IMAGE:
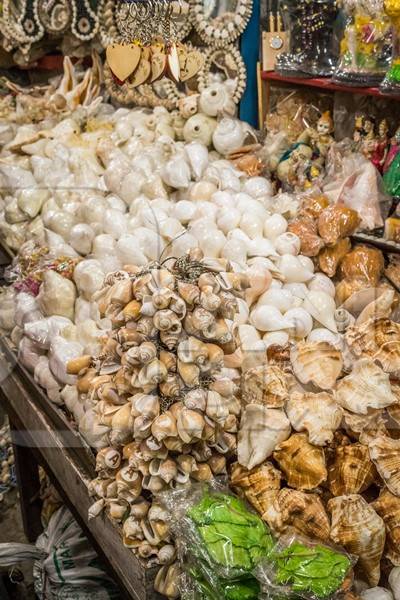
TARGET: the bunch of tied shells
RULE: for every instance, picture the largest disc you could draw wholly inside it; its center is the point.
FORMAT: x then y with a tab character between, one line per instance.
164	408
319	443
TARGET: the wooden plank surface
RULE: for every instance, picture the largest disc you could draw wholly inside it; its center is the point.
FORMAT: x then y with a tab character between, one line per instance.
35	429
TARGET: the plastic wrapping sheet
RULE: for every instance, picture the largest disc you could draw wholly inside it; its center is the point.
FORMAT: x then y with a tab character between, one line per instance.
299	568
391	83
366	44
313	37
220	542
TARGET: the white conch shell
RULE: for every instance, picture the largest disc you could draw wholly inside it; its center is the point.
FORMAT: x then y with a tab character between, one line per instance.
278	338
293	270
279	298
261	430
57	295
322	283
197	155
318	414
269	318
216	99
367	386
228	136
275	226
287	243
301	320
394	582
324	335
199	128
321	307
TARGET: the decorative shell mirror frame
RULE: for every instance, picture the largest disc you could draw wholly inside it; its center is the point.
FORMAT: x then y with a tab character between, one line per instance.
220	22
25	22
224	65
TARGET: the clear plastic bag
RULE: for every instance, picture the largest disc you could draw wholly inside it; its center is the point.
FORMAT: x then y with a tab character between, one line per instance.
366	45
220	541
313	43
391	83
300	568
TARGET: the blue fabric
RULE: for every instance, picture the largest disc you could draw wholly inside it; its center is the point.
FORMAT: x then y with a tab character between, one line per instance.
250	48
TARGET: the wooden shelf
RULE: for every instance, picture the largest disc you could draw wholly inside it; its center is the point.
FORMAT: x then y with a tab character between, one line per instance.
325	84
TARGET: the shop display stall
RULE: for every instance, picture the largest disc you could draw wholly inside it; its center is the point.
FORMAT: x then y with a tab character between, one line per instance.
200	321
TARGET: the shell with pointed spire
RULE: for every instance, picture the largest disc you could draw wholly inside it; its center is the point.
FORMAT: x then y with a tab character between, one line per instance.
385	453
388	507
318	414
304	512
302	464
351	470
357	527
319	363
259	485
265	385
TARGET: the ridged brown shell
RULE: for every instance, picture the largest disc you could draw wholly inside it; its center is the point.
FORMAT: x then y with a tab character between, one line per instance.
304	512
357	527
318	414
337	222
385	453
306	230
259	485
364	263
388	507
302	464
378	339
265	385
330	258
351	470
319	363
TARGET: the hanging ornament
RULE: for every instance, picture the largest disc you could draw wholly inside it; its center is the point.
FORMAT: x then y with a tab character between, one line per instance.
148	47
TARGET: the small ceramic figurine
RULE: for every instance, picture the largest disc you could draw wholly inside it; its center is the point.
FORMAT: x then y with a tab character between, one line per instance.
320	139
368	141
294	164
381	146
391	168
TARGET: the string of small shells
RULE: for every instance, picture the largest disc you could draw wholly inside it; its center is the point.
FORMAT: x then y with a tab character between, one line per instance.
166	406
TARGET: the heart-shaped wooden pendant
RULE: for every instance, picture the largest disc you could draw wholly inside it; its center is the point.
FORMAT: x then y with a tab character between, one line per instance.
158	65
123	59
193	64
142	73
182	54
173	63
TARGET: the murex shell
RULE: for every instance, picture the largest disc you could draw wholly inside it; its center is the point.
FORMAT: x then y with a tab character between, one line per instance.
357	527
319	363
304	512
385	453
259	486
351	470
378	339
318	414
302	464
388	507
265	385
366	387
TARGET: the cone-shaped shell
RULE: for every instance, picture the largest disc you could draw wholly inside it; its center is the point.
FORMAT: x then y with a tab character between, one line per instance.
385	453
259	485
318	414
265	385
302	464
357	527
388	507
366	387
319	363
378	339
351	470
304	512
261	429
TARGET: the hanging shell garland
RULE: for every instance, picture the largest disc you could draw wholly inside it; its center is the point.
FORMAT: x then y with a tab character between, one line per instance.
159	389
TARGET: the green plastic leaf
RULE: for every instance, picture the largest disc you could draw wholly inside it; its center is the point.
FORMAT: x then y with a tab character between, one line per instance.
318	570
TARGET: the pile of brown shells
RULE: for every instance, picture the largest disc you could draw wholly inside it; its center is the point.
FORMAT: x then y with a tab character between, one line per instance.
167	408
323	428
